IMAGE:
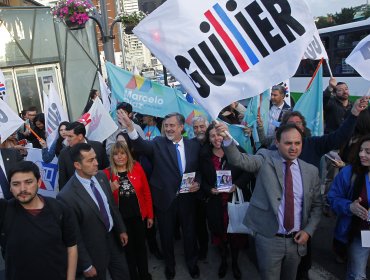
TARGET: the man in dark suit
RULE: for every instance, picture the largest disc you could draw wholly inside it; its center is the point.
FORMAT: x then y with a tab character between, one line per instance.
8	158
172	156
200	125
102	232
76	134
286	204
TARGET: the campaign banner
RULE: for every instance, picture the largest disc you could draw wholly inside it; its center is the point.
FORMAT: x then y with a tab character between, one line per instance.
9	121
98	122
54	114
359	58
48	171
315	49
145	96
224	51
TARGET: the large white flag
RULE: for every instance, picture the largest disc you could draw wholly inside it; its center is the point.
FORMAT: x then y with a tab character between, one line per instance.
54	114
104	92
9	121
223	51
98	123
315	49
359	58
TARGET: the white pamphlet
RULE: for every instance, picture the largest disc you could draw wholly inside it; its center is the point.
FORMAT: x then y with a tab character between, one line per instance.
224	180
187	181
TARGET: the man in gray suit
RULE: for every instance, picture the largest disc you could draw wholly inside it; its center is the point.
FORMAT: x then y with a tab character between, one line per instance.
285	207
102	231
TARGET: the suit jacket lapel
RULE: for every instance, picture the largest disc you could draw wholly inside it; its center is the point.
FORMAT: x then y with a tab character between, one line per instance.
306	189
278	164
84	195
187	153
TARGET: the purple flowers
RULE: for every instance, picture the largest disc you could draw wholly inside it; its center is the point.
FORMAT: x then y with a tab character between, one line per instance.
76	11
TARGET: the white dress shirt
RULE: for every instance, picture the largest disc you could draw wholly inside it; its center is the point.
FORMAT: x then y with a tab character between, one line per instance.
86	184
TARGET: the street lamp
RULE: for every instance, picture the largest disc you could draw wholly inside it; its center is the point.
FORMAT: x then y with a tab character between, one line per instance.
106	32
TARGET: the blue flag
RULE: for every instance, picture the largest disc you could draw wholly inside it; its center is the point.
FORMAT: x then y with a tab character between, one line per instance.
145	96
150	98
311	105
238	134
257	103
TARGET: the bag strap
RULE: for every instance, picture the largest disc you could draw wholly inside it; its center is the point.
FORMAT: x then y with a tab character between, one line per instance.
237	193
233	200
240	195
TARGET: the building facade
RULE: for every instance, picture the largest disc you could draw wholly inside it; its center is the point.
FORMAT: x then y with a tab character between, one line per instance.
35	51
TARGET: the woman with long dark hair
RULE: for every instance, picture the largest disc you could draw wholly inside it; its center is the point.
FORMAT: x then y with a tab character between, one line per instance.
49	153
212	159
39	129
349	197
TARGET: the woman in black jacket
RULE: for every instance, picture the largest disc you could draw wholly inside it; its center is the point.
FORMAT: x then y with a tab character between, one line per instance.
212	158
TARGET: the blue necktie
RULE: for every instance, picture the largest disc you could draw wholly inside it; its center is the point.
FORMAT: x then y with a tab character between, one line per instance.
179	162
102	210
4	184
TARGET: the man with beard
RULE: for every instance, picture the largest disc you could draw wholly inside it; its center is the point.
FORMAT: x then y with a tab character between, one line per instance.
336	104
172	156
200	125
38	235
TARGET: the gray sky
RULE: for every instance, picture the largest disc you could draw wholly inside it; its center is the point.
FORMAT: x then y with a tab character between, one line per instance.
323	7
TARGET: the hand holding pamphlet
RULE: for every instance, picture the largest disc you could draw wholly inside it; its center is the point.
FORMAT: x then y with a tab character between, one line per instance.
187	181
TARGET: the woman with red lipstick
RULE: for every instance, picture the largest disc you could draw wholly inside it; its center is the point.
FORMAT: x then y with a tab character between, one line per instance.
132	194
349	197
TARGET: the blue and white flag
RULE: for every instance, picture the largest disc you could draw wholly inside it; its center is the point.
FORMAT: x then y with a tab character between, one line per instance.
310	104
54	114
48	171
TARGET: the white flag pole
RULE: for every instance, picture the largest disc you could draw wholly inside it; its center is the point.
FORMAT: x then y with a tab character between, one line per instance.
327	64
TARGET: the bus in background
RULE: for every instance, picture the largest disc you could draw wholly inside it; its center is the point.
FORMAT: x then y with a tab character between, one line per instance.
339	41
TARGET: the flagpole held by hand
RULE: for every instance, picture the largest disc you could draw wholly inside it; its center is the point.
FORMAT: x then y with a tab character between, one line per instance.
227	133
33	132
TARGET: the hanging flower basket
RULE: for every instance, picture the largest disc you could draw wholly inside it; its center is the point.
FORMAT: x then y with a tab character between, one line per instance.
74	25
75	13
129	21
129	28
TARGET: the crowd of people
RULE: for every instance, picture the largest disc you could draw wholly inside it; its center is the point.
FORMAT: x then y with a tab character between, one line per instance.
115	197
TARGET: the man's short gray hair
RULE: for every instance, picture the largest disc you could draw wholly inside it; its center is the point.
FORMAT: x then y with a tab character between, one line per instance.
180	118
200	119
